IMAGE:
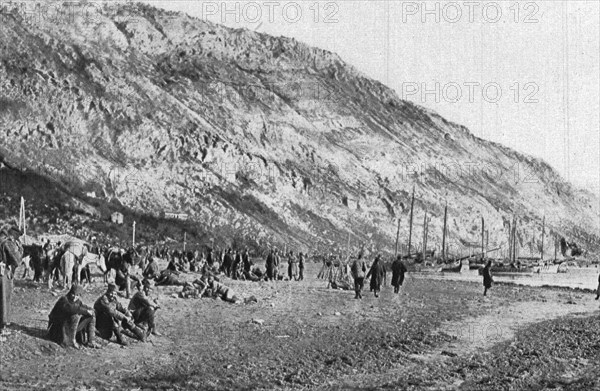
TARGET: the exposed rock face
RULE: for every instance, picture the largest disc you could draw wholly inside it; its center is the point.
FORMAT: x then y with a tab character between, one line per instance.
262	137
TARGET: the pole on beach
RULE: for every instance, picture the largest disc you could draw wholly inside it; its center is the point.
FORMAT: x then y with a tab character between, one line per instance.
397	237
412	204
482	238
22	224
425	228
133	235
543	233
184	239
514	254
444	233
348	247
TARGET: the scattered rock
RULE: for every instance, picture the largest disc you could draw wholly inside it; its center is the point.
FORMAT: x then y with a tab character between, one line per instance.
259	322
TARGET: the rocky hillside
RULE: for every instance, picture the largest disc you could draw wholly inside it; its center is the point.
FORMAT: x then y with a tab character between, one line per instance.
258	139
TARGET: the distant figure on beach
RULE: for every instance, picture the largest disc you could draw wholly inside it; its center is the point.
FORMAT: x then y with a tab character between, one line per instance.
487	277
598	289
398	271
377	274
358	270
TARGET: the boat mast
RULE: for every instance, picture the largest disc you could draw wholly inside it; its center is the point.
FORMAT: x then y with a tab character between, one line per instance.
412	204
543	233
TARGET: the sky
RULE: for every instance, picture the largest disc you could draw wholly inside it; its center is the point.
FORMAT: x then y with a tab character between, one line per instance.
521	73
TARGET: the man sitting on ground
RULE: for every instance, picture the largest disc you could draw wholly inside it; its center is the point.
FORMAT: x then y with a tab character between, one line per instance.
71	317
152	271
143	308
112	317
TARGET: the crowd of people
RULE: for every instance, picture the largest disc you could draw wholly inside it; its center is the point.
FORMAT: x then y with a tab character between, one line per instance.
73	323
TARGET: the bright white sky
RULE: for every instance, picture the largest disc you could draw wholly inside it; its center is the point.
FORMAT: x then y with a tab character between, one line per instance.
522	73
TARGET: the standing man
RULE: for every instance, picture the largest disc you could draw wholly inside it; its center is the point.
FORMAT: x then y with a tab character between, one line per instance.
227	263
487	277
11	253
70	317
270	265
277	263
377	273
237	262
358	270
246	265
398	271
598	289
301	267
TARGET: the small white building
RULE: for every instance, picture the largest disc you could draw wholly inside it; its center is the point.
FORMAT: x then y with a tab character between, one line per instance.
116	218
176	216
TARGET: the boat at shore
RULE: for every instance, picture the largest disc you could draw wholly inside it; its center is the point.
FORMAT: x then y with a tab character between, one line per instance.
459	267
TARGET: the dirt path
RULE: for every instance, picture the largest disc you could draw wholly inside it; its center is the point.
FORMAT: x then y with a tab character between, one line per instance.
480	333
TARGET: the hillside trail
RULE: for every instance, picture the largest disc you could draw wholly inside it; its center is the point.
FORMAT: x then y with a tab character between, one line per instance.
479	334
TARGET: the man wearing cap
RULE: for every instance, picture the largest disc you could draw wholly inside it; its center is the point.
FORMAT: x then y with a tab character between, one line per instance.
112	317
70	317
143	308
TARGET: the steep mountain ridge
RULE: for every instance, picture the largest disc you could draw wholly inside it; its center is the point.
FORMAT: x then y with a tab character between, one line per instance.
265	138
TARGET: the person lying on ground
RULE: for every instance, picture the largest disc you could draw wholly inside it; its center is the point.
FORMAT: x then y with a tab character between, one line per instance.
71	318
169	277
218	290
143	308
112	318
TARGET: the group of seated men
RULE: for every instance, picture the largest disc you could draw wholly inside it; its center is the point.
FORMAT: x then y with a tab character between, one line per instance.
72	323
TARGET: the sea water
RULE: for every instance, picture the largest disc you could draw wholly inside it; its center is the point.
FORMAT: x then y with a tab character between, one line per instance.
584	278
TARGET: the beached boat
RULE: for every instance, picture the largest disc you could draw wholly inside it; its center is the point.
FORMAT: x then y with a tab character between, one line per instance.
459	267
511	269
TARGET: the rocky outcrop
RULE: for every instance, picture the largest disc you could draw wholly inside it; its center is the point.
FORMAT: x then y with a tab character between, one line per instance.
262	139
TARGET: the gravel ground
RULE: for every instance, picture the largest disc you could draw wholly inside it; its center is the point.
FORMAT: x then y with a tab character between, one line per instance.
301	335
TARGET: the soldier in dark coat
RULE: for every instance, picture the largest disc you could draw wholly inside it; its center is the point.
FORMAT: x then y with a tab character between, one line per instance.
301	267
598	290
227	263
398	271
270	265
237	263
69	317
112	317
377	274
246	264
487	277
143	308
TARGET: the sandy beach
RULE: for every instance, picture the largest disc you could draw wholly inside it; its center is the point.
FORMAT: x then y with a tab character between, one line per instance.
300	335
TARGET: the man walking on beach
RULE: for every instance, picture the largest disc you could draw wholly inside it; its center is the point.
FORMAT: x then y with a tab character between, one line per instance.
398	271
358	270
377	273
487	277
